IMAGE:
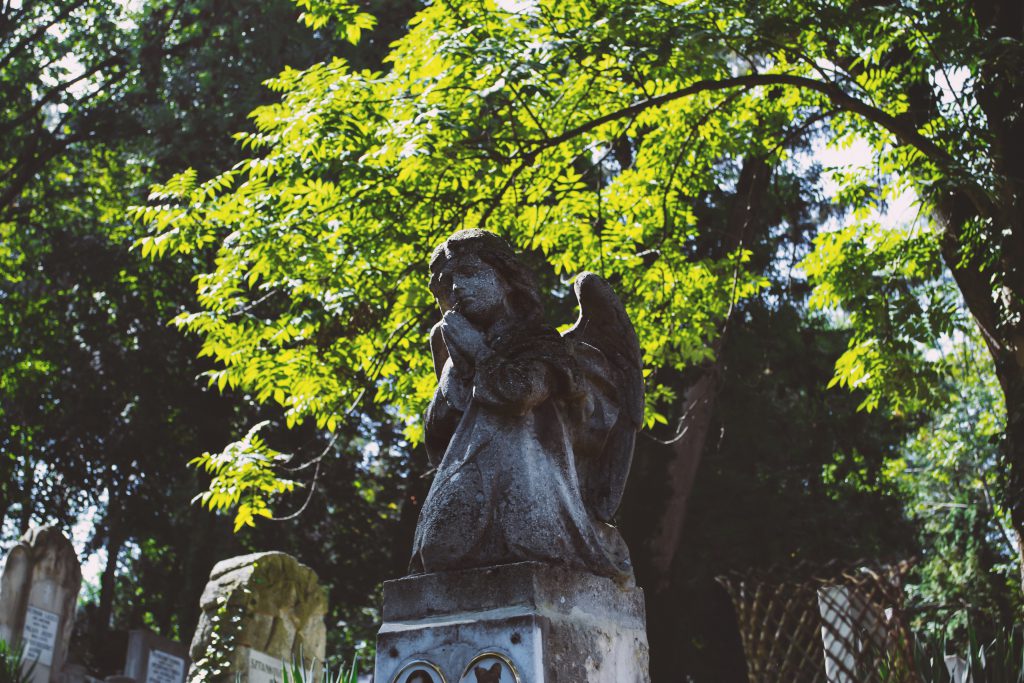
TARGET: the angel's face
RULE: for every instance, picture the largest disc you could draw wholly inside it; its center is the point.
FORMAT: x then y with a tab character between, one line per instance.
474	289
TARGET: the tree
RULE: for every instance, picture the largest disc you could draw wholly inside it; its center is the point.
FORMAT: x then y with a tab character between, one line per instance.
950	472
57	62
62	64
791	479
585	131
791	475
100	410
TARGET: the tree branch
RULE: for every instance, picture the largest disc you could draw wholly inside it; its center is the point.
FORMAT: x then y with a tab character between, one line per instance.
54	92
38	33
905	134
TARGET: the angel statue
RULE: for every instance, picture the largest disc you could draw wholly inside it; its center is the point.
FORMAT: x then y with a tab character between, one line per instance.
531	432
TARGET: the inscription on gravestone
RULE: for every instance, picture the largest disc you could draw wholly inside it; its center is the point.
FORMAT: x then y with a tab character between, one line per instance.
266	669
40	635
164	668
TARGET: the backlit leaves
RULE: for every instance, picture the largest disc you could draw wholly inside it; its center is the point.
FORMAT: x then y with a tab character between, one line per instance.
243	478
559	126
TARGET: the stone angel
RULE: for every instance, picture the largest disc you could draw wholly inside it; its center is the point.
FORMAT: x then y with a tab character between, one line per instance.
532	432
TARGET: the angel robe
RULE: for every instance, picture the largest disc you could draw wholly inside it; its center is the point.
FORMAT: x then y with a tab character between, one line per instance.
508	487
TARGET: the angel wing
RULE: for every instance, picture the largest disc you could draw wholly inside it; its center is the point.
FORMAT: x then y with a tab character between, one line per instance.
609	355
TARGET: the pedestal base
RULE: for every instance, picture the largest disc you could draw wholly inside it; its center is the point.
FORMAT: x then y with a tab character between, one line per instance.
518	623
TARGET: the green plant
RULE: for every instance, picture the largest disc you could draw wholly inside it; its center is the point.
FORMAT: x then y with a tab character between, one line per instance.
991	658
929	659
214	664
296	673
12	668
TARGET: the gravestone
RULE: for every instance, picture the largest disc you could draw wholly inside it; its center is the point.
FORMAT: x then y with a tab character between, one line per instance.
153	659
38	590
259	612
518	573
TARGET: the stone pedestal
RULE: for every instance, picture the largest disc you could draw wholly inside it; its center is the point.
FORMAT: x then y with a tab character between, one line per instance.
517	623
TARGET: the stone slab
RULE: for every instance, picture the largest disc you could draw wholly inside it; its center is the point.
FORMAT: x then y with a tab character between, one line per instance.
524	584
153	659
263	668
40	635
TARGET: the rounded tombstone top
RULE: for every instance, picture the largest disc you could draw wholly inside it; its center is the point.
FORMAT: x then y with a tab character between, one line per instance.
45	536
269	580
50	552
246	562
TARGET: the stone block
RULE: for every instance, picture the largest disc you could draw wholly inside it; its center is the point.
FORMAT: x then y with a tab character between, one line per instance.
520	622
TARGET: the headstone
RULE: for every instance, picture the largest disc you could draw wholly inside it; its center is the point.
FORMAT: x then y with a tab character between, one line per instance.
154	659
38	590
519	573
260	612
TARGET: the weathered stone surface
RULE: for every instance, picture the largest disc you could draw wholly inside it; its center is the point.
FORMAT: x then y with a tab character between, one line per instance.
532	432
38	591
553	624
268	603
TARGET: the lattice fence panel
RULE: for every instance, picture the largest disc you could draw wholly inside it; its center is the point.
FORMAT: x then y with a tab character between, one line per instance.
835	626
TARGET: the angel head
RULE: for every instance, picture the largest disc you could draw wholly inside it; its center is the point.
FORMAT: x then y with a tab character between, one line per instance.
476	273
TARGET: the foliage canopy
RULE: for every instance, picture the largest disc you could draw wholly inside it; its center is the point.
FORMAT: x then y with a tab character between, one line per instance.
99	407
586	133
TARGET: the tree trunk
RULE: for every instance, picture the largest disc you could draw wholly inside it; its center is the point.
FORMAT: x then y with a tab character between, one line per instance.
687	448
990	272
1013	389
993	311
26	496
115	541
699	399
